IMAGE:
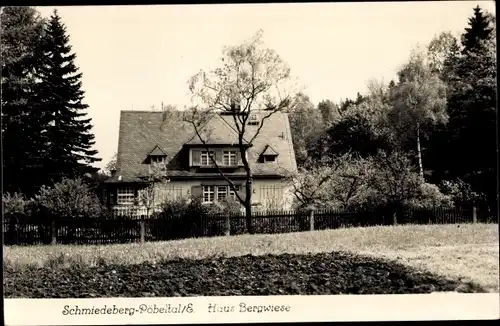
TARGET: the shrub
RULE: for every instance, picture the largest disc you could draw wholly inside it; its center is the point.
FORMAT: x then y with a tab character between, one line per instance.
429	197
184	218
225	206
70	198
460	192
17	210
15	205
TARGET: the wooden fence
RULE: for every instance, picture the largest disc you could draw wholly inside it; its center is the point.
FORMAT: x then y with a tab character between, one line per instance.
137	228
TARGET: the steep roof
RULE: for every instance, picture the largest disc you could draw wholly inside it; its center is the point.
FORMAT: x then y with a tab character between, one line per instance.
144	131
217	131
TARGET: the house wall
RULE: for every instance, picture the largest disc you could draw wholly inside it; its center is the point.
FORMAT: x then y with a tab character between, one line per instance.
272	194
172	190
267	194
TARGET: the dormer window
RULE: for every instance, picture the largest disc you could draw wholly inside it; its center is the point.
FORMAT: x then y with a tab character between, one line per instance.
157	156
157	159
269	155
253	120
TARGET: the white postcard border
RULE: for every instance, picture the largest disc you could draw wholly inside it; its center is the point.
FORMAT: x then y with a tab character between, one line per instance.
194	310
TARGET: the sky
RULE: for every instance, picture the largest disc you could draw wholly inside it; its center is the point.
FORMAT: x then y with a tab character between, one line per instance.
136	57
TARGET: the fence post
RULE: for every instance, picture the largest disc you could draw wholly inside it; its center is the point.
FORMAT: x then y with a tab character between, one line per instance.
228	225
53	232
311	220
142	229
474	214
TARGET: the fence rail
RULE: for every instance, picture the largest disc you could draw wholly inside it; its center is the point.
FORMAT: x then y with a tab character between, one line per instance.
136	228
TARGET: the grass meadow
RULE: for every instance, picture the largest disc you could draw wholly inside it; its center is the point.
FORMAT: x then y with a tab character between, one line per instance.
463	253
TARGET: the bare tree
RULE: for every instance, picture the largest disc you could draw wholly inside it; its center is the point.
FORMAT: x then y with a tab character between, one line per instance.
150	195
334	183
311	186
251	77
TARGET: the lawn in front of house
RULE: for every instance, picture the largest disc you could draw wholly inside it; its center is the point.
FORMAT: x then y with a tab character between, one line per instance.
462	253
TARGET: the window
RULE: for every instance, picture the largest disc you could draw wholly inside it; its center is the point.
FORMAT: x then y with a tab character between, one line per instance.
158	159
271	196
221	192
125	196
231	192
253	120
205	158
229	158
208	194
269	158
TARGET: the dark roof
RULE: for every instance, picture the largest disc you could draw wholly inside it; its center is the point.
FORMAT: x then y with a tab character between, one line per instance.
142	132
217	131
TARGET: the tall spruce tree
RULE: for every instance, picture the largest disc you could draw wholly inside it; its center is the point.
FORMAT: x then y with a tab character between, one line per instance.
22	123
479	30
467	148
69	134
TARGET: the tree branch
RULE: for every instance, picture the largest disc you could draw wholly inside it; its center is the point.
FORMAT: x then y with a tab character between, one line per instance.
230	182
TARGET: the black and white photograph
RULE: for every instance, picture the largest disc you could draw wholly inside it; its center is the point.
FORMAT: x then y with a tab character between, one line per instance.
245	150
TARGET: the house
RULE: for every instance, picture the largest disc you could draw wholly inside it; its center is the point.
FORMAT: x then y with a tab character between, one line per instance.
149	138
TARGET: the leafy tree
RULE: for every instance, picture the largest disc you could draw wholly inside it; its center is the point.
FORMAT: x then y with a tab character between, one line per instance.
69	134
361	127
111	166
329	111
418	99
306	126
22	119
251	78
439	50
348	102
